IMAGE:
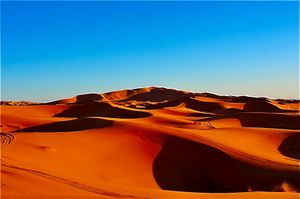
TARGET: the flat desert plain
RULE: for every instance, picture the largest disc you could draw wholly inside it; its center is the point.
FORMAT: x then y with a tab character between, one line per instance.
151	143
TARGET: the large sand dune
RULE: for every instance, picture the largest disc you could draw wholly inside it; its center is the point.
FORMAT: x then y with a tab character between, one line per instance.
151	143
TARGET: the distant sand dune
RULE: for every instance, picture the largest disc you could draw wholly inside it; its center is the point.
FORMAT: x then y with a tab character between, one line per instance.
158	95
100	109
203	106
261	106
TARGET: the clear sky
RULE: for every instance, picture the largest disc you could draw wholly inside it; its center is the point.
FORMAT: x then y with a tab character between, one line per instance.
53	50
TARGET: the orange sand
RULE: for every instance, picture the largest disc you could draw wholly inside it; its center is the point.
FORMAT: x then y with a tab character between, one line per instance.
151	143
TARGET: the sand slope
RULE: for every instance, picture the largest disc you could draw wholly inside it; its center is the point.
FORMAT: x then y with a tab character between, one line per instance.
151	143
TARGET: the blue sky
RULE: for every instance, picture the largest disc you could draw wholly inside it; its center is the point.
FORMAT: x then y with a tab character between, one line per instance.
52	50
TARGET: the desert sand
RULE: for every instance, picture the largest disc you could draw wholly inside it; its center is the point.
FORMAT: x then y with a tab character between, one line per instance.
151	143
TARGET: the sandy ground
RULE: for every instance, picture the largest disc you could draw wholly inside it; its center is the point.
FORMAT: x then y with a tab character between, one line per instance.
151	143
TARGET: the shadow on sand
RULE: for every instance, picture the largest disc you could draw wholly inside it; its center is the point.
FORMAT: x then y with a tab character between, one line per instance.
72	125
290	146
100	109
184	165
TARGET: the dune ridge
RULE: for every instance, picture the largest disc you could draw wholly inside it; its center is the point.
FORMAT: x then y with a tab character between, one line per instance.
151	143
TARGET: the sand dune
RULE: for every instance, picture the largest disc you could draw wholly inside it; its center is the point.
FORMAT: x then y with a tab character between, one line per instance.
151	143
190	166
266	120
124	94
101	109
261	106
79	99
158	95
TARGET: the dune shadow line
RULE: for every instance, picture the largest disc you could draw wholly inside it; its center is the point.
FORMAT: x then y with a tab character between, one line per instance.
100	109
72	125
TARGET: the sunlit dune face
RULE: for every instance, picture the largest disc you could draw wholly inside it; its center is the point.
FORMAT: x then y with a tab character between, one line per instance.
151	143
